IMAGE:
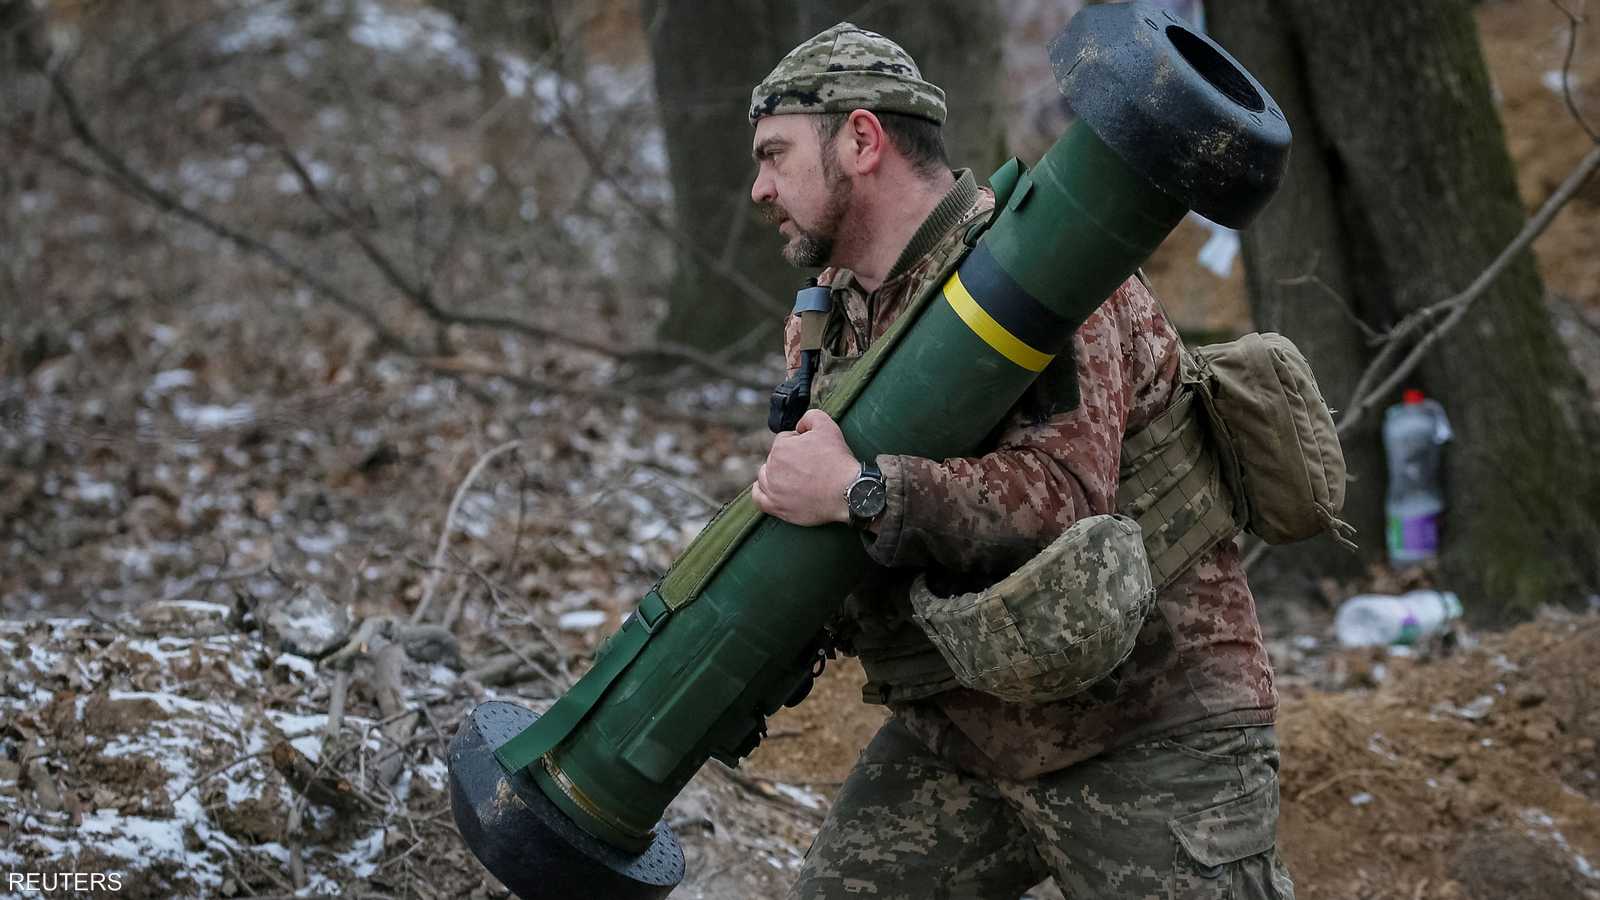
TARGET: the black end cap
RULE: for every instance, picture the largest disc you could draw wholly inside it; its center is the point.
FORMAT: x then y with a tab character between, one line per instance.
526	841
1175	106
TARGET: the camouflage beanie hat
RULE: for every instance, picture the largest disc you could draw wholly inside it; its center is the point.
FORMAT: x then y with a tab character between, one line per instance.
847	68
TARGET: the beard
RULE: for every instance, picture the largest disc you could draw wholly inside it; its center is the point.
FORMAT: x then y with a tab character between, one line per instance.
812	247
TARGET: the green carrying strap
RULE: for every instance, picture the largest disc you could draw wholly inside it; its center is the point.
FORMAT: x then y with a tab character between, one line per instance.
613	659
712	547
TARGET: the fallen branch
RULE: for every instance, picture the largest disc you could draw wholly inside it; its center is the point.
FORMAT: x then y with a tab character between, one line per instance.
388	687
291	832
452	612
431	580
310	781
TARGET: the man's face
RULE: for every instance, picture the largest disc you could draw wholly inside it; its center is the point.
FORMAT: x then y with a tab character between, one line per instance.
799	187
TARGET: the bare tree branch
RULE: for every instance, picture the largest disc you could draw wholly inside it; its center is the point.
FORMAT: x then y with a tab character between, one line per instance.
121	174
138	186
419	291
1574	21
432	580
1312	279
1461	303
592	156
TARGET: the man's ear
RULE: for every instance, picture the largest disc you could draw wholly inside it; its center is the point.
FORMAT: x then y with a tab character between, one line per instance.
866	142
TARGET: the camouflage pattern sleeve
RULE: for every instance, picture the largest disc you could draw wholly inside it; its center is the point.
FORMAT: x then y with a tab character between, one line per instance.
1051	465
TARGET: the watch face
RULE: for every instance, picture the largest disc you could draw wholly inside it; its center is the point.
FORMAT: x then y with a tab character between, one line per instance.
867	498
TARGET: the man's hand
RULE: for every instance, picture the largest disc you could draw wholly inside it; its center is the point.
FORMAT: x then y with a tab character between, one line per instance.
806	473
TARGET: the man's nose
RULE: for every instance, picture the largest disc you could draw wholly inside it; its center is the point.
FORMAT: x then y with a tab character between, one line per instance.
761	190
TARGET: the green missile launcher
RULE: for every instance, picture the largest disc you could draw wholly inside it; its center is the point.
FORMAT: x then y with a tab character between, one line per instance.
569	803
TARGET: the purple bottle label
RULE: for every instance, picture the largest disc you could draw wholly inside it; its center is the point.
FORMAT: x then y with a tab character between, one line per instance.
1413	537
1410	630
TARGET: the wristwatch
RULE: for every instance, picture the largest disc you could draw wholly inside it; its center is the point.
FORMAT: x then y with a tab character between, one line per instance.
867	496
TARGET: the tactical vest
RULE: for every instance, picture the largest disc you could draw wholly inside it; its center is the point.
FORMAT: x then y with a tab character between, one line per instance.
1170	482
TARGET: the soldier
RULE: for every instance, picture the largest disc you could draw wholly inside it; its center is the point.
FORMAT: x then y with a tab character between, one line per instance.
1159	780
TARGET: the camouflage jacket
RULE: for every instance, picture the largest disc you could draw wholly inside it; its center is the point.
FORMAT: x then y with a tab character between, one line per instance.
1199	661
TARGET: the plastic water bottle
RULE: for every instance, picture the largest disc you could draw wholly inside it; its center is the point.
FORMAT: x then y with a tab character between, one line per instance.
1413	432
1368	620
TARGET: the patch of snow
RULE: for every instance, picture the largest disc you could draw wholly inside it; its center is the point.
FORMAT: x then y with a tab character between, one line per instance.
212	179
1378	744
1541	820
581	620
323	544
169	380
166	702
331	118
435	773
201	606
296	726
800	795
91	491
1478	708
362	858
36	201
211	417
297	664
1553	80
427	31
514	73
264	25
321	174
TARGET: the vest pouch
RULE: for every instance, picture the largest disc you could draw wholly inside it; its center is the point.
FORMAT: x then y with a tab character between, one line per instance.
1052	628
1171	481
1278	441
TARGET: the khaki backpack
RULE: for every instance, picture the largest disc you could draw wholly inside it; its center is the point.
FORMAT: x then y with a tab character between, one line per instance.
1275	437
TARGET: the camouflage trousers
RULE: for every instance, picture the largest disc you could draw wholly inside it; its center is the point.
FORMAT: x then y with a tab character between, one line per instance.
1187	817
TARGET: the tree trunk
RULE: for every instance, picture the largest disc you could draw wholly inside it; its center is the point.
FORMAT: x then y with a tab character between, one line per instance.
1417	163
1303	260
708	56
957	46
